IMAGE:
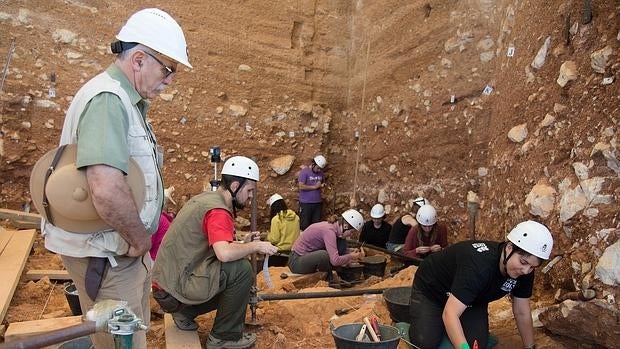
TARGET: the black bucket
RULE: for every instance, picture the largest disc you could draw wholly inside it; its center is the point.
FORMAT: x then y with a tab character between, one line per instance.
77	343
374	265
352	272
344	336
71	294
397	300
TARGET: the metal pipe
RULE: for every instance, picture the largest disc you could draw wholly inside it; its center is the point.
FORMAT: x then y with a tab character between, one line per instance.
308	295
254	290
52	337
8	61
413	260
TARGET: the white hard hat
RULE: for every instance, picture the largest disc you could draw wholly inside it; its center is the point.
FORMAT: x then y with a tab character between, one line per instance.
532	237
354	219
241	166
377	211
420	201
273	198
320	161
427	215
157	30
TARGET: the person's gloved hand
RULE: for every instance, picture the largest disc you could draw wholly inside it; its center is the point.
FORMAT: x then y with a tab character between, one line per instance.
103	311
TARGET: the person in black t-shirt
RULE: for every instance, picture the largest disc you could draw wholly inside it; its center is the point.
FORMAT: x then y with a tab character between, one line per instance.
452	288
376	231
402	225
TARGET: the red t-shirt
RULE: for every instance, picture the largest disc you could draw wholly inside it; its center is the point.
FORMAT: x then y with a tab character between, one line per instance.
218	225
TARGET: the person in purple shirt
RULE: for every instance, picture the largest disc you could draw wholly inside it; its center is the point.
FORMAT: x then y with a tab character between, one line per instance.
310	180
316	248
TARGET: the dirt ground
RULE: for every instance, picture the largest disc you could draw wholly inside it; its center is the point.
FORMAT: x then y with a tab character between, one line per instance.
313	74
301	323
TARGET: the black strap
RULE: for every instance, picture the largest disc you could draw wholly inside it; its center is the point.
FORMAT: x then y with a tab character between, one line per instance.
48	173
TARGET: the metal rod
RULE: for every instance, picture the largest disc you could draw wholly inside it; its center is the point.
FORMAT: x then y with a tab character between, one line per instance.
415	261
8	61
123	341
308	295
254	289
52	337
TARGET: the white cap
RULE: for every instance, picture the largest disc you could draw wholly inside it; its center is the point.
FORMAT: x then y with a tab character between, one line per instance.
354	219
273	198
157	30
241	166
427	215
377	211
532	237
320	161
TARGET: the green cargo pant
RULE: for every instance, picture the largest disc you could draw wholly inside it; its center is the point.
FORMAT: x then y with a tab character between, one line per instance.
230	303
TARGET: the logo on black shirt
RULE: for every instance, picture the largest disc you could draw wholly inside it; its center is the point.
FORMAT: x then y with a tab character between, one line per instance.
480	246
508	285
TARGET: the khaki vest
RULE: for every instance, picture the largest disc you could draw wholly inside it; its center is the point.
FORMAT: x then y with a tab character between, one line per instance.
142	148
186	266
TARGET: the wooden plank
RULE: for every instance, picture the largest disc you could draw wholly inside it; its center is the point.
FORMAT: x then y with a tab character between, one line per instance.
19	330
5	237
14	215
12	262
176	338
38	274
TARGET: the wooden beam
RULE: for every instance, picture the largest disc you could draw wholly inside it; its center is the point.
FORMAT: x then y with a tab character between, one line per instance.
26	225
14	215
176	338
12	262
20	330
38	274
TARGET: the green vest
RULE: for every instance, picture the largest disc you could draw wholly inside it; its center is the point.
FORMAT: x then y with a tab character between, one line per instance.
186	266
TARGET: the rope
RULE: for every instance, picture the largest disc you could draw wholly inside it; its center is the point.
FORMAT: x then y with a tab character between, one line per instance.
49	296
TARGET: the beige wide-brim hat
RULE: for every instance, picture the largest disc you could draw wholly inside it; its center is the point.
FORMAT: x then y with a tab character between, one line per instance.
70	202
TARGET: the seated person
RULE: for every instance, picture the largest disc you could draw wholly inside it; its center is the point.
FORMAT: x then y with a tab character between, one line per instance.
284	224
316	249
402	225
376	231
427	236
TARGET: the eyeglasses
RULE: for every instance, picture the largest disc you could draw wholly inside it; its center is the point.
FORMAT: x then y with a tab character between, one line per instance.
167	71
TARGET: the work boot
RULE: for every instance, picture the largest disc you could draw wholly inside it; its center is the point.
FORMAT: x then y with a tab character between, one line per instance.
246	341
183	322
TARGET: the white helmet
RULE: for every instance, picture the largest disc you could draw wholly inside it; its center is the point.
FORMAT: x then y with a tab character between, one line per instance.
420	201
354	219
157	30
241	166
273	198
377	211
320	161
533	238
427	215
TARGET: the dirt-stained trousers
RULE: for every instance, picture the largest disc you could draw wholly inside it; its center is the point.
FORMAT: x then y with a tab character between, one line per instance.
230	303
129	281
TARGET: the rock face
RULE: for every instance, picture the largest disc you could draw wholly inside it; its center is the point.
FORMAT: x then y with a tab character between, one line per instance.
608	267
595	322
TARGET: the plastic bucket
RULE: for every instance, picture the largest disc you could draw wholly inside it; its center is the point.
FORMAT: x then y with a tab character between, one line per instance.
71	294
374	265
344	337
397	300
352	272
77	343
